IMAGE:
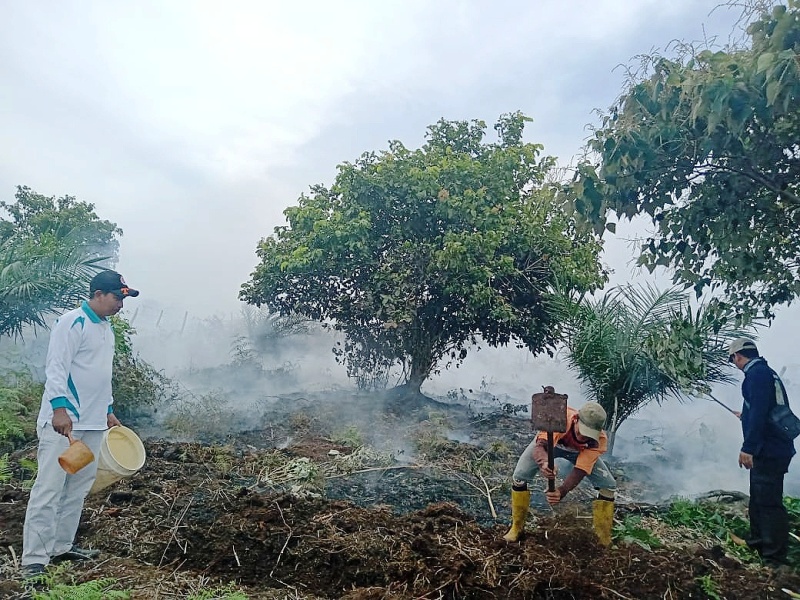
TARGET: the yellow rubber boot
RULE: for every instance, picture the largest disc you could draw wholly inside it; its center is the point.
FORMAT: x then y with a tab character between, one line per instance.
602	519
520	504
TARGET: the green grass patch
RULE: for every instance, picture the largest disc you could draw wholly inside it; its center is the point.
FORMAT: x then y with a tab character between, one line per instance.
631	531
706	517
228	592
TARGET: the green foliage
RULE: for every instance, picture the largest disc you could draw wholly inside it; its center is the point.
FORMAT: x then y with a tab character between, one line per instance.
631	531
5	469
413	254
36	217
703	516
368	362
38	280
793	508
61	586
49	250
718	523
300	475
350	436
705	144
136	384
29	466
228	592
11	417
91	590
20	398
709	586
709	518
636	345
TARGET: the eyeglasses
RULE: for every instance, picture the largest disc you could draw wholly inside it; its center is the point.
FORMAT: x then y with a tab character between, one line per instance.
731	357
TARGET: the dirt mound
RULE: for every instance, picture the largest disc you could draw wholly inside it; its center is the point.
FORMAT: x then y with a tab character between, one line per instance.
192	510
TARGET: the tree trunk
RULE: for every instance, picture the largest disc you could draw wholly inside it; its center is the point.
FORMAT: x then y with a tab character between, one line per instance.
422	362
611	432
612	435
415	380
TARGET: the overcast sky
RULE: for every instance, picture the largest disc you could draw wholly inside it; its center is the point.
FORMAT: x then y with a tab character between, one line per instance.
194	124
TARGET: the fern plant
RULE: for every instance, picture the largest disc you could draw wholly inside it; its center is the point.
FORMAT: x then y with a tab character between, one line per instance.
99	589
5	469
19	399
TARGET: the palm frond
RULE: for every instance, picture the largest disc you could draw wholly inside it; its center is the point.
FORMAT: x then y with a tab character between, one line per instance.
40	280
637	345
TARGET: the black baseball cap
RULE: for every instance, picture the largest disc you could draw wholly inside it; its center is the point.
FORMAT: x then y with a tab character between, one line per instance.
113	283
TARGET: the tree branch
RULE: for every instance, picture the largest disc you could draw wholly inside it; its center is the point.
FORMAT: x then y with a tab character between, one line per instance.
754	175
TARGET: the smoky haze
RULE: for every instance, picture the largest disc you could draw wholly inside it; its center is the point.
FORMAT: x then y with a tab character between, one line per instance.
194	124
681	448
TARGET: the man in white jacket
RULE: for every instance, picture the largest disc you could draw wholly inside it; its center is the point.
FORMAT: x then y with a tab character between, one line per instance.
77	402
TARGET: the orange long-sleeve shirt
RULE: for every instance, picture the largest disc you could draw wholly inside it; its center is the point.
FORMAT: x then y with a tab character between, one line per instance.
587	453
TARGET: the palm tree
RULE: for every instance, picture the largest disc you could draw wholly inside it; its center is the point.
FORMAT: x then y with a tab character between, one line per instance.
41	278
637	345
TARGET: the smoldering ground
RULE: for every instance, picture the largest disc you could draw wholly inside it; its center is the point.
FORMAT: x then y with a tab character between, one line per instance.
271	471
684	447
239	363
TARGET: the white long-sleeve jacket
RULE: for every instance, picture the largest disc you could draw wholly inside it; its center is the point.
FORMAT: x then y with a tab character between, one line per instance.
78	369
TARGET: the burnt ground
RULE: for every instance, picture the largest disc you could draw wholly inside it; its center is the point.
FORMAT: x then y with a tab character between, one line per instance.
307	503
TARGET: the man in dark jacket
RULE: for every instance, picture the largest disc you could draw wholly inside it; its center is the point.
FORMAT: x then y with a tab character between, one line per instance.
764	453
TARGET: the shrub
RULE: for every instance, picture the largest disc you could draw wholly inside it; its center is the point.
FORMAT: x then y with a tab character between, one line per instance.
20	397
136	384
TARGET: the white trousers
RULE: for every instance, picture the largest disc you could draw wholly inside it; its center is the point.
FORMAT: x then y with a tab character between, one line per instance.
56	500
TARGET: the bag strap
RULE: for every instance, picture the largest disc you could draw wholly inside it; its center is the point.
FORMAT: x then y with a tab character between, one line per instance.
780	394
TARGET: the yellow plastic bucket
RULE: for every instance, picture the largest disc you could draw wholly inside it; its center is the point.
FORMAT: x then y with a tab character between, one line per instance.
121	455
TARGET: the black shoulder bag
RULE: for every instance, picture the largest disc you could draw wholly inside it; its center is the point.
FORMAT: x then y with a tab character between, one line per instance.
783	421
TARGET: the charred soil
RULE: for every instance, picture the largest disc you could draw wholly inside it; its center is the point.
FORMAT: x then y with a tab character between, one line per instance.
274	511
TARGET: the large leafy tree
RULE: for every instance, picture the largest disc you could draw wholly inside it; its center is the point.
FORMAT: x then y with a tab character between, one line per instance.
636	345
49	250
414	254
707	145
33	216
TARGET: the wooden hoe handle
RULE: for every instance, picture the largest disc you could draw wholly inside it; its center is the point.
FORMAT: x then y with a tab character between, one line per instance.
551	481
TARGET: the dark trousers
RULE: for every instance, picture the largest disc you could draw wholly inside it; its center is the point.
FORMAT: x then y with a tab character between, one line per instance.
769	520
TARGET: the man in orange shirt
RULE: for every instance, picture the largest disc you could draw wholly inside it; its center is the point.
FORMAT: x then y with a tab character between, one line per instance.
578	451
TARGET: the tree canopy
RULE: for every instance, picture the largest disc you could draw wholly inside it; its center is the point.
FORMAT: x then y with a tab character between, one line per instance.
414	254
66	220
49	251
706	144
